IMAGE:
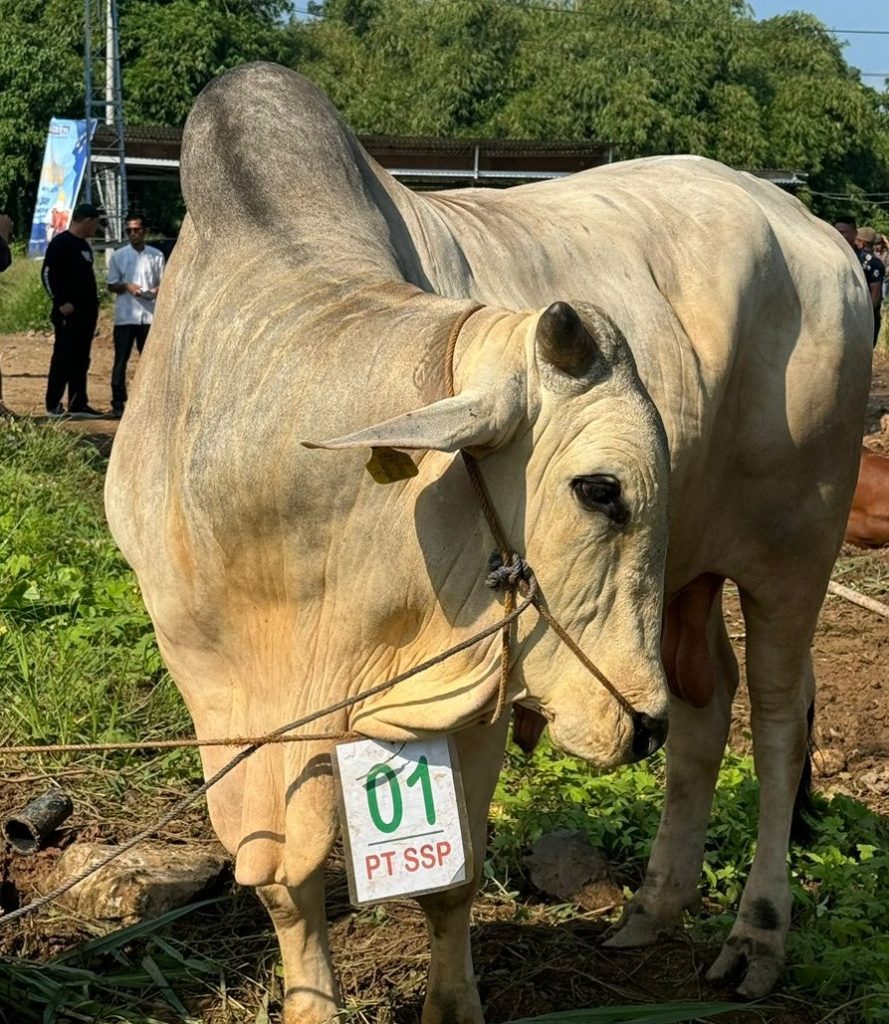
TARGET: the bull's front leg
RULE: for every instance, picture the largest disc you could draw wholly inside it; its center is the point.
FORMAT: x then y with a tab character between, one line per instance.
451	992
695	748
781	684
311	994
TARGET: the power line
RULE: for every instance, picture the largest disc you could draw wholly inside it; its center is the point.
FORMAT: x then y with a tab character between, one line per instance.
571	10
595	14
849	198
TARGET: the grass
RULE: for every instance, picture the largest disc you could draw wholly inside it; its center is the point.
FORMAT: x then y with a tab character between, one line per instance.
838	949
78	662
24	304
867	575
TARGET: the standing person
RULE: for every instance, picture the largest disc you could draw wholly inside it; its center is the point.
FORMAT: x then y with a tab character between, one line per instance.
5	232
881	251
69	278
134	276
862	241
5	260
874	272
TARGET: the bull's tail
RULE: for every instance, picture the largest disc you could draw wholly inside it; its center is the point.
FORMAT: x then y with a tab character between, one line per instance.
806	809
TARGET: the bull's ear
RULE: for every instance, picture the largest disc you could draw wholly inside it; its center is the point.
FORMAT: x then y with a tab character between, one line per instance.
469	420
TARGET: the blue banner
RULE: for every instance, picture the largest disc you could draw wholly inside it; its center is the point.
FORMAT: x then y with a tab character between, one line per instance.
64	164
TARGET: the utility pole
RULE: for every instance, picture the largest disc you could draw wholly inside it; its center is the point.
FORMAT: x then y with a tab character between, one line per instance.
106	173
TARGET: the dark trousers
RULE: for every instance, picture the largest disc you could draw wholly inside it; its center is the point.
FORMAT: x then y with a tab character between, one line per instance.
877	321
70	358
125	335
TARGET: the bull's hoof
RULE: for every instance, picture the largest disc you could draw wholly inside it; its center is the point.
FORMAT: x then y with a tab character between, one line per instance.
744	964
637	927
452	1011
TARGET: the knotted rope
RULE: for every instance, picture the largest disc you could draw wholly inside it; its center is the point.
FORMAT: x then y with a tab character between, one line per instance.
254	744
508	572
509	558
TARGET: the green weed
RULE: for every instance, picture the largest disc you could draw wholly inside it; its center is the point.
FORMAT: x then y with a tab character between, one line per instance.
24	304
838	949
78	660
126	976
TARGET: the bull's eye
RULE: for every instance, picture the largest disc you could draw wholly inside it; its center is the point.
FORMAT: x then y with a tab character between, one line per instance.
601	493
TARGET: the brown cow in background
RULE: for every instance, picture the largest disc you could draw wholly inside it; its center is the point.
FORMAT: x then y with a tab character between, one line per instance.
868	525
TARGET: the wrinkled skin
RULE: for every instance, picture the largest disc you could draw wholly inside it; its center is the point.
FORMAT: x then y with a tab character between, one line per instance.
311	298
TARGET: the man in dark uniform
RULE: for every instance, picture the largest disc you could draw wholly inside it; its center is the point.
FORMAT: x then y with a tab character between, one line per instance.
862	241
5	260
874	271
69	278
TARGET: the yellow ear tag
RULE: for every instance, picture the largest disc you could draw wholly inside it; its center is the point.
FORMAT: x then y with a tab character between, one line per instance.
387	465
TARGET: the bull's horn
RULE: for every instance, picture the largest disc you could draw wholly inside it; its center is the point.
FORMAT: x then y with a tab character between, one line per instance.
564	342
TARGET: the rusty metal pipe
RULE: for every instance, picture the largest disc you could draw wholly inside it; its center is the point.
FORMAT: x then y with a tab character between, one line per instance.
26	832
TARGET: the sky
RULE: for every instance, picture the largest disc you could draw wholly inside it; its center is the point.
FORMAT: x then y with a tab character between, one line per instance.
865	52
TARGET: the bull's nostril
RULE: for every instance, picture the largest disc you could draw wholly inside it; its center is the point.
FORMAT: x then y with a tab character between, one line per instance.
648	734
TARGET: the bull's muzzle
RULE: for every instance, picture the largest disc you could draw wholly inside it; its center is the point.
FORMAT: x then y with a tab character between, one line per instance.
649	735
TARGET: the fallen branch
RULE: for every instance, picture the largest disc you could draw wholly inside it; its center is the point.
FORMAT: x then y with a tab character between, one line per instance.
859	599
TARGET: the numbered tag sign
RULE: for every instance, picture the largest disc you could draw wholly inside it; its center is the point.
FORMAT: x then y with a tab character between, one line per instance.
403	818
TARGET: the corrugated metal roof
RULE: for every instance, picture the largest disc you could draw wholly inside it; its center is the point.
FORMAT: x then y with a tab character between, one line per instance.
781	176
428	161
141	134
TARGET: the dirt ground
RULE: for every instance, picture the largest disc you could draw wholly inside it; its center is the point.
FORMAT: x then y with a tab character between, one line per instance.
534	962
24	361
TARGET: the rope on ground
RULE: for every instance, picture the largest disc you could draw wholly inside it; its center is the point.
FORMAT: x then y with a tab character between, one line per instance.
511	572
184	742
860	599
254	745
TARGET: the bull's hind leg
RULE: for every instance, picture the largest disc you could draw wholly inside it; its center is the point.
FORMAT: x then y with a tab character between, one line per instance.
311	995
695	746
780	622
451	992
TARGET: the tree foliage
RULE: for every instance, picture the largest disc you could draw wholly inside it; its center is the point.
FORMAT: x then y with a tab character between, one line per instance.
170	49
41	76
652	76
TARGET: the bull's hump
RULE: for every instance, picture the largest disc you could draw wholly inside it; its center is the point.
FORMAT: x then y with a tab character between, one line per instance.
265	152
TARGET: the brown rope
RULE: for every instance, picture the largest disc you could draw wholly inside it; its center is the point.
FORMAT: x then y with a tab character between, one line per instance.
497	532
237	741
278	736
527	584
254	745
488	510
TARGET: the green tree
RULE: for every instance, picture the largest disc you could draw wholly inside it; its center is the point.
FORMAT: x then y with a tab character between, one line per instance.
41	76
406	68
653	76
170	49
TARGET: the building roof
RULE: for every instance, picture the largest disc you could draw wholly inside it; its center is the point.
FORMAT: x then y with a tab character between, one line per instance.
151	148
152	151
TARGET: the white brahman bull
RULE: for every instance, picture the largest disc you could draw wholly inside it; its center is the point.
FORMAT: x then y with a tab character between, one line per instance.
312	297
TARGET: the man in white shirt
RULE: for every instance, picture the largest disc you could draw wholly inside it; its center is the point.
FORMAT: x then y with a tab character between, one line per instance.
134	276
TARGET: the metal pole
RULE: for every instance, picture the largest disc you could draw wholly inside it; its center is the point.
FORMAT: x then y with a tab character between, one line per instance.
88	94
109	62
118	96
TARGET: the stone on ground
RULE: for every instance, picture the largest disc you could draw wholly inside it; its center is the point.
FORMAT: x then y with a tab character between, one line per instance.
141	884
565	864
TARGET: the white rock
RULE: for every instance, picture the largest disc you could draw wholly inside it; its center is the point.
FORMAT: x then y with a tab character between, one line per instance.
141	884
